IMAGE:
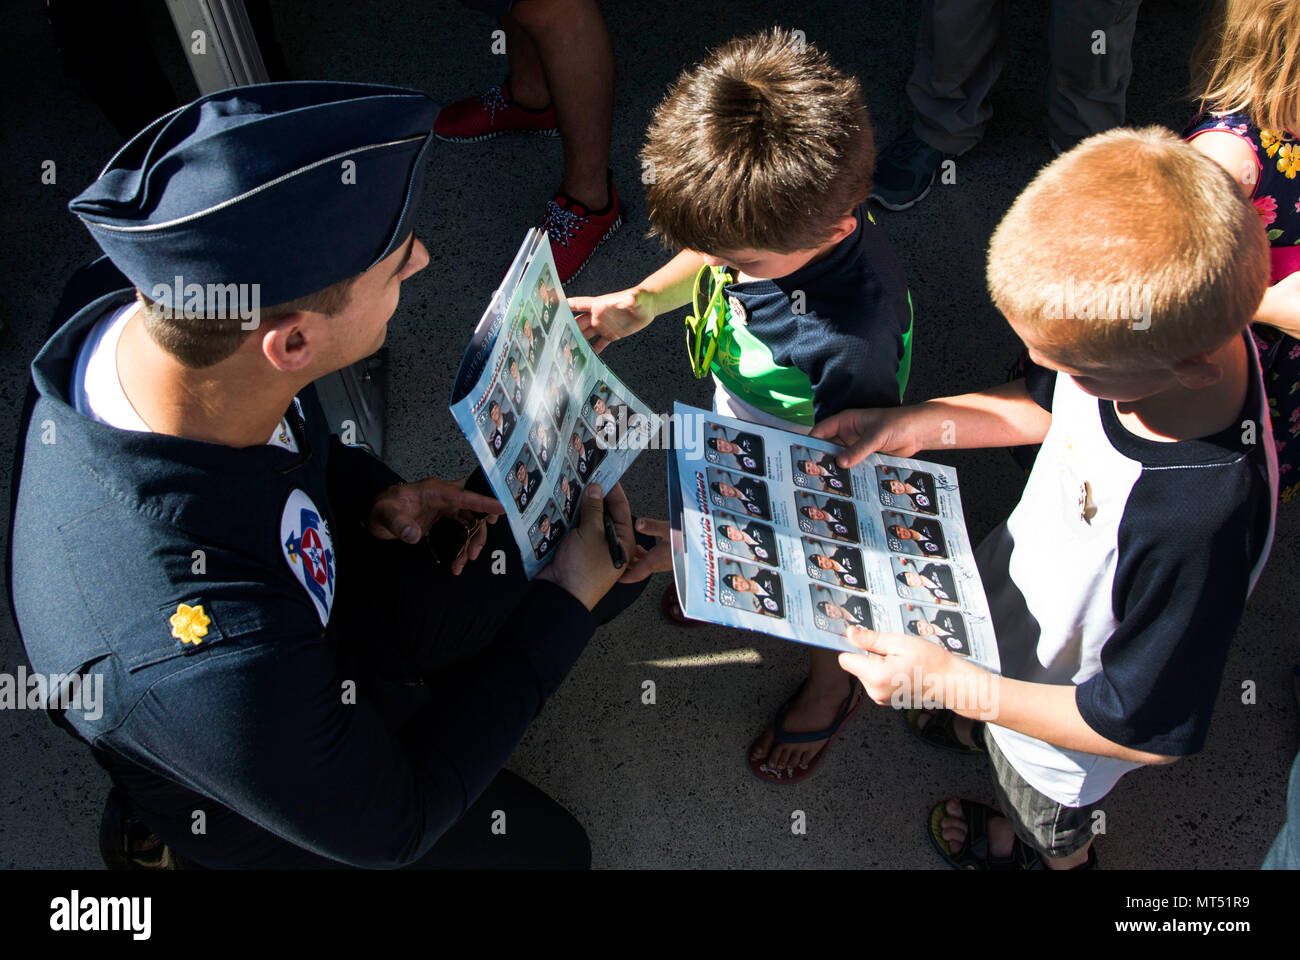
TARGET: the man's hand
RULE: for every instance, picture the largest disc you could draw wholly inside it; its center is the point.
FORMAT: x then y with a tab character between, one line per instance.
864	432
888	676
582	565
406	511
657	559
611	316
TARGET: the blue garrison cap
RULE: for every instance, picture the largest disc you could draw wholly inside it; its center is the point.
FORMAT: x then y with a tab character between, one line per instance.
292	186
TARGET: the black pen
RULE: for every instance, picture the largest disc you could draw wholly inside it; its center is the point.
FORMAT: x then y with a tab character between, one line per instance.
616	554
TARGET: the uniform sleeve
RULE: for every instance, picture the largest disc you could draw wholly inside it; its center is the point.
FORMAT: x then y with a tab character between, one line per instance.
1187	543
264	730
355	477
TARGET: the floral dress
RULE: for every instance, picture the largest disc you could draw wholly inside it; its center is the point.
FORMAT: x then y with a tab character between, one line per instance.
1277	200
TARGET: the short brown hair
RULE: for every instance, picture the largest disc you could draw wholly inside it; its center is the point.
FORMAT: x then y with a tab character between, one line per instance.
1129	215
203	341
764	146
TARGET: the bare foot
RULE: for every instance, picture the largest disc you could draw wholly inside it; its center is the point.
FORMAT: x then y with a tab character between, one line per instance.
815	708
1001	836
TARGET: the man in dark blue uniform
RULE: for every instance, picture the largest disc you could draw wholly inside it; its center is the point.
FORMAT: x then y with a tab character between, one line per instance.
302	664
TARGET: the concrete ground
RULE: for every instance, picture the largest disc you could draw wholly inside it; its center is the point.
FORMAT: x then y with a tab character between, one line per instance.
664	785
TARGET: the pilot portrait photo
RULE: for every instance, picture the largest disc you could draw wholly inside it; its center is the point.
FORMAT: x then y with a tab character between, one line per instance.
735	449
584	451
926	581
745	538
542	440
834	611
837	564
568	493
547	531
571	359
743	586
556	397
944	627
607	414
828	517
497	421
738	493
548	299
518	377
817	470
524	478
921	536
530	336
907	490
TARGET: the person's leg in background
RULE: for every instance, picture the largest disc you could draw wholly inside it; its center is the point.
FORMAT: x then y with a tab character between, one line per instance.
567	43
513	825
570	42
1091	48
561	76
960	50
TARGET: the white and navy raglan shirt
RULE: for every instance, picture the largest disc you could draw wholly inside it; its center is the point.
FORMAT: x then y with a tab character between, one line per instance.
1124	570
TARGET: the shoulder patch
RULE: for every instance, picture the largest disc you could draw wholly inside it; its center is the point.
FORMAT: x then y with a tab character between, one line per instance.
309	550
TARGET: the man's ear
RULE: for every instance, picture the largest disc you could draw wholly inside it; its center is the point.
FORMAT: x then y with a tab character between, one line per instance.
1198	371
844	226
290	343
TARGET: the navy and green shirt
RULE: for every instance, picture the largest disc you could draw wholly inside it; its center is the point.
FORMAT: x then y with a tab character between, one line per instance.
832	335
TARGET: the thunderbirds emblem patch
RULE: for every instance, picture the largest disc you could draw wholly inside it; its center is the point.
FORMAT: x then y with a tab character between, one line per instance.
309	550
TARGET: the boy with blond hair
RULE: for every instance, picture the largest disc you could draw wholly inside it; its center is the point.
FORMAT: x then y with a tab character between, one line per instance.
1119	579
759	161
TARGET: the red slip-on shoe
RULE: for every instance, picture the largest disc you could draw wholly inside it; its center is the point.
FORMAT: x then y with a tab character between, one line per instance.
489	115
576	232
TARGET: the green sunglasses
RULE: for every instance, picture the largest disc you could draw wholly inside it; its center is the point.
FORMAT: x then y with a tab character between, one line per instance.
704	326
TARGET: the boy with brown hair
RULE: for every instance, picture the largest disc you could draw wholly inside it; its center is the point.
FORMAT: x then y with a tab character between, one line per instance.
759	164
1116	584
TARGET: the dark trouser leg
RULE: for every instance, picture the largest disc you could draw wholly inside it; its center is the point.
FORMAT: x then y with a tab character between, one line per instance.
959	54
1091	43
532	832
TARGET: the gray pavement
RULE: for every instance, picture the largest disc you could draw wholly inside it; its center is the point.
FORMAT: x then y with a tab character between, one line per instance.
664	785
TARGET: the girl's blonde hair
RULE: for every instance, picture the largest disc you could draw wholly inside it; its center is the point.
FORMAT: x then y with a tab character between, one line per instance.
1248	59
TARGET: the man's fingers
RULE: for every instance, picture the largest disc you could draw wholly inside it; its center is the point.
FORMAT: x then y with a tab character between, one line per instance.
657	560
866	640
593	509
393	518
857	453
618	507
458	499
599	343
655	528
829	429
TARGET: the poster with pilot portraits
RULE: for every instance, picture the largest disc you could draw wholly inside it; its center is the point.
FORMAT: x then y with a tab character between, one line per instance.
544	415
771	532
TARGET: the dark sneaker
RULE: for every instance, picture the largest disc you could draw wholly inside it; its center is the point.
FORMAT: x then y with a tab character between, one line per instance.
489	115
576	232
905	171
